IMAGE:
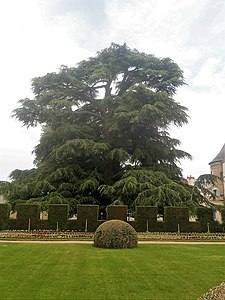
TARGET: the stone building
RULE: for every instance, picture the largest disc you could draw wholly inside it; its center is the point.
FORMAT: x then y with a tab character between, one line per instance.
217	167
191	180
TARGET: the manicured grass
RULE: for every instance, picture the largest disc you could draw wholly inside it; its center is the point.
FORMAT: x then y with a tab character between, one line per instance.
76	271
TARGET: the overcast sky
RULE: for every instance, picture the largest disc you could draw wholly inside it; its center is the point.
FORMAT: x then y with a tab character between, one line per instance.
37	36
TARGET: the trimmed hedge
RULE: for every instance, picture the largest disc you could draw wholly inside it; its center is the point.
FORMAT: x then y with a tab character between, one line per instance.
205	218
4	211
222	211
115	234
27	216
4	216
118	212
58	216
89	213
146	219
175	219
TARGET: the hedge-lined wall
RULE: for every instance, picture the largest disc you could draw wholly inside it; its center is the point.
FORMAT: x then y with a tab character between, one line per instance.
58	216
4	216
27	217
118	212
146	219
175	219
87	217
222	211
205	217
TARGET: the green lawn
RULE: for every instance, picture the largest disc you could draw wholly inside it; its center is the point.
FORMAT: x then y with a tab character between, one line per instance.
75	271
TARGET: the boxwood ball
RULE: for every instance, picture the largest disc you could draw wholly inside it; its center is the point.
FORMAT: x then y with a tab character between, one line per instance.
115	234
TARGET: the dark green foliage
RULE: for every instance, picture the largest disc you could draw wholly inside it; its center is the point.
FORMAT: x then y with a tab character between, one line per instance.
174	216
72	225
26	211
222	226
115	234
146	219
27	216
118	212
89	213
44	225
87	218
4	211
222	211
58	216
206	219
177	219
13	225
144	187
105	133
4	215
193	226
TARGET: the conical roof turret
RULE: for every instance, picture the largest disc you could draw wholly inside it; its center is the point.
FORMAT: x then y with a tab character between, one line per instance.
220	156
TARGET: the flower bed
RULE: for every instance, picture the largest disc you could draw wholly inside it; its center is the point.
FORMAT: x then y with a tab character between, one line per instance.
78	235
180	236
45	234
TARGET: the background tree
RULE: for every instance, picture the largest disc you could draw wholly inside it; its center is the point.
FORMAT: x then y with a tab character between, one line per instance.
203	185
105	133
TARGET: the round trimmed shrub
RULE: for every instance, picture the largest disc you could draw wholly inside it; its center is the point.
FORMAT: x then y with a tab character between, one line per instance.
115	234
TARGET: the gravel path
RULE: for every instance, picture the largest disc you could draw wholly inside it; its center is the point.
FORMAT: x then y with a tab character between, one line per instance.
91	242
45	242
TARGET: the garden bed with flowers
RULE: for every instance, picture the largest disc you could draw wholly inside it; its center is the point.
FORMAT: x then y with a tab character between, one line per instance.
46	234
156	236
78	235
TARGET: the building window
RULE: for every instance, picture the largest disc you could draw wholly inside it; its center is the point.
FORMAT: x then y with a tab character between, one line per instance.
216	192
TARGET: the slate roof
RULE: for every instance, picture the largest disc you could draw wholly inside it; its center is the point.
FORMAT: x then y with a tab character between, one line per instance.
220	156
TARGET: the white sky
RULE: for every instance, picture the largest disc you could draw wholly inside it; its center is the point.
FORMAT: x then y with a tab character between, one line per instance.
37	36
